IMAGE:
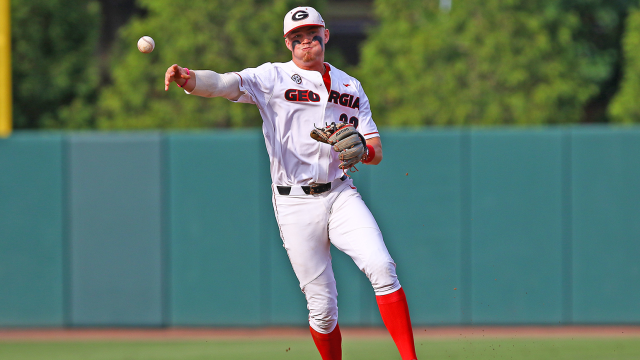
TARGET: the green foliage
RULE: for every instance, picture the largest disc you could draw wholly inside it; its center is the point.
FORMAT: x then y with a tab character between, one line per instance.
599	39
625	107
220	35
484	62
55	72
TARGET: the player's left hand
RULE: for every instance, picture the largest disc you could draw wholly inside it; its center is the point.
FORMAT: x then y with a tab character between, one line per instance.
346	140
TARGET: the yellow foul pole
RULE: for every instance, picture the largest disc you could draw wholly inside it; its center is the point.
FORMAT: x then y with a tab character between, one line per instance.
5	68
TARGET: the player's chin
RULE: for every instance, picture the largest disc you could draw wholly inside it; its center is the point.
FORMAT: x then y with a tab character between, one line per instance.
308	57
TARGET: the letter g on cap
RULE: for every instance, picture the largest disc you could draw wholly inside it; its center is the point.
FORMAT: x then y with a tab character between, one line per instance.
299	15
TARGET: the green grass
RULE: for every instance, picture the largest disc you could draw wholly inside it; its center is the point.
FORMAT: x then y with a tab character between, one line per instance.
477	349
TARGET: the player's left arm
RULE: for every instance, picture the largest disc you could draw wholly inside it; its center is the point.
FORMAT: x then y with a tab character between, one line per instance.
376	145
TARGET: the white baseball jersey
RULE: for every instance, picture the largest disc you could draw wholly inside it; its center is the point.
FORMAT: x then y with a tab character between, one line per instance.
292	101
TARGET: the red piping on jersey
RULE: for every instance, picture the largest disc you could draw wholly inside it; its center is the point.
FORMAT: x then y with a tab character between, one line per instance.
371	133
240	78
327	78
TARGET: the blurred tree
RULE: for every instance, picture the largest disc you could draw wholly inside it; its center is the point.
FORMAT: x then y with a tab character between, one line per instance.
599	38
221	35
625	106
484	62
55	72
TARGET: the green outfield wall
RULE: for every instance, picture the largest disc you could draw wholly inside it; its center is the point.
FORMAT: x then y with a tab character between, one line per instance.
487	226
32	230
115	253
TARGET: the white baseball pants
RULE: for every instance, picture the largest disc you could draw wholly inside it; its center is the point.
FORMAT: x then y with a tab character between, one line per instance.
309	224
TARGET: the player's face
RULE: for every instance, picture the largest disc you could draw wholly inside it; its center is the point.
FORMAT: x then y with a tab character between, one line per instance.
307	43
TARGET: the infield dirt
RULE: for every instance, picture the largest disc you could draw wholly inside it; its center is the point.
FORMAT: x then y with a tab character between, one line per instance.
136	334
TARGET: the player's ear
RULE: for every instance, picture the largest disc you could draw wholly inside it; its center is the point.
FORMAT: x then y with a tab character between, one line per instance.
326	35
288	44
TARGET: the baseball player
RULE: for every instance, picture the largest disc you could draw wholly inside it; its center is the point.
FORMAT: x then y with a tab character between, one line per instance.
317	125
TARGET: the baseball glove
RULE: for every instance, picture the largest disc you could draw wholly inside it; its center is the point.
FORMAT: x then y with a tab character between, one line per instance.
345	139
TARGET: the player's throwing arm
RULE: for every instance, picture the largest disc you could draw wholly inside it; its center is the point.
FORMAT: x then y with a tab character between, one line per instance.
205	83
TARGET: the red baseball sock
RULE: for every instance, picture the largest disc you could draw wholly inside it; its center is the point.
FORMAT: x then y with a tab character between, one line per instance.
329	345
395	315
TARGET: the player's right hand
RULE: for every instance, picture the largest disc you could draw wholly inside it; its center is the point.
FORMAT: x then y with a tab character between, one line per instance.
177	74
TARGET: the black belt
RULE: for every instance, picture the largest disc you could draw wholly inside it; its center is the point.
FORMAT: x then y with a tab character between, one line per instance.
309	190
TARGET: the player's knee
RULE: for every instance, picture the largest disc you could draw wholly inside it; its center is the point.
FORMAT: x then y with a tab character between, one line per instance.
323	312
382	275
324	322
322	302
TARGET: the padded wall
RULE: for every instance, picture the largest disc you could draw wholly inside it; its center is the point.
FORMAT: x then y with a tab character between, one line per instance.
215	187
115	230
606	229
516	226
529	226
31	230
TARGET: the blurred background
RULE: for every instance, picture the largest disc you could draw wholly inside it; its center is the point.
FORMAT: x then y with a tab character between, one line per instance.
508	194
436	62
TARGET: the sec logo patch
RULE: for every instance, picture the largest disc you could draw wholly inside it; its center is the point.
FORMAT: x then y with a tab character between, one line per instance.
296	79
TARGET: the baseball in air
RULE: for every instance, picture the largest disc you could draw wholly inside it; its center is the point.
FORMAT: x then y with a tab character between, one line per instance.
146	44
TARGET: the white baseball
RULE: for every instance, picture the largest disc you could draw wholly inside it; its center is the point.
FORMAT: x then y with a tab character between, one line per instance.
146	44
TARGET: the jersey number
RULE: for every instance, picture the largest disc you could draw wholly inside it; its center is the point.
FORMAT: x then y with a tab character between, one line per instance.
344	118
